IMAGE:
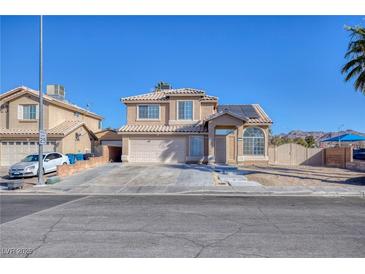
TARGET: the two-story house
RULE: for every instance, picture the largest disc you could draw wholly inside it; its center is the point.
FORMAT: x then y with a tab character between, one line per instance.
70	129
187	125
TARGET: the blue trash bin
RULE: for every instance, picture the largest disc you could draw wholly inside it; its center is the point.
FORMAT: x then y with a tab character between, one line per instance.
71	158
79	156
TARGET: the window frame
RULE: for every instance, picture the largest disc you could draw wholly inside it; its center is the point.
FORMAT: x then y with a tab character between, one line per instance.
196	137
149	119
178	109
254	143
24	106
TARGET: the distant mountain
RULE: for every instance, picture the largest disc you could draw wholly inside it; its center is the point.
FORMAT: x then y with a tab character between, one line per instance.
318	135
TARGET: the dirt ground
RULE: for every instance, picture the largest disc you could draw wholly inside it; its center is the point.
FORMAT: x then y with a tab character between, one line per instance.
304	176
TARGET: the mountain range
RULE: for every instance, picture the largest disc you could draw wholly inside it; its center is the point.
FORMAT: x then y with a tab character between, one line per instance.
318	135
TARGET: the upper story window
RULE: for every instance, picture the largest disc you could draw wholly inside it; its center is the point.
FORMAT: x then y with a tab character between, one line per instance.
148	112
77	114
253	141
100	124
27	112
185	110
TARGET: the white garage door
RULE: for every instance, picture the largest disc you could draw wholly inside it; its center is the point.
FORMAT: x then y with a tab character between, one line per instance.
153	150
12	152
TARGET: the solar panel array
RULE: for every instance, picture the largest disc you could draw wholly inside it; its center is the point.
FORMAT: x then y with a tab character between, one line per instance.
245	110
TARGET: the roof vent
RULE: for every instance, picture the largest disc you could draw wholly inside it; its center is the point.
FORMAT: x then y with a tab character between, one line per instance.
56	91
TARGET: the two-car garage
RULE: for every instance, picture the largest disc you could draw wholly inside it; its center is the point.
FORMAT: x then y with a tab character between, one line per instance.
157	150
13	151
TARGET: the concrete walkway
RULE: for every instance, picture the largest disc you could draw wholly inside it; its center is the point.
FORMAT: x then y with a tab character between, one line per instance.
118	179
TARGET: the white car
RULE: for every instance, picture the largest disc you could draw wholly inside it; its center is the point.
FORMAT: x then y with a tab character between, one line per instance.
29	165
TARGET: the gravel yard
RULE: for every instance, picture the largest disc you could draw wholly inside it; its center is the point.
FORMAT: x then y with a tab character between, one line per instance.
304	176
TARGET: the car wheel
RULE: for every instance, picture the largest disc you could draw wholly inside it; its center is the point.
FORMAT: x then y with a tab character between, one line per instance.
64	163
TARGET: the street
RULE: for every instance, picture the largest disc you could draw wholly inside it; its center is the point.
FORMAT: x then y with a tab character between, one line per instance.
181	226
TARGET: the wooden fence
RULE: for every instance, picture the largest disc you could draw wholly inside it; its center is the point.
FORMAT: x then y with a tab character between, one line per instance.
294	154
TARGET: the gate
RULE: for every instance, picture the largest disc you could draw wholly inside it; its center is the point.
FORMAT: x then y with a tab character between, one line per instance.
294	154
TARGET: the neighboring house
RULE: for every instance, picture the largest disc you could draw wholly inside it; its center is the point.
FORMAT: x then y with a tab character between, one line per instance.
69	127
187	125
110	138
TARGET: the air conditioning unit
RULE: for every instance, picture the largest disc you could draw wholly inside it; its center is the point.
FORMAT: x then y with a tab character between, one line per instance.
56	91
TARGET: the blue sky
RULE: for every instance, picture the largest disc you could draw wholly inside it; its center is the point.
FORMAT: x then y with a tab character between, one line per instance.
288	64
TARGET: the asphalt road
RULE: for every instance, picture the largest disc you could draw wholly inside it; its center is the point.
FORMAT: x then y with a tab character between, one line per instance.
182	226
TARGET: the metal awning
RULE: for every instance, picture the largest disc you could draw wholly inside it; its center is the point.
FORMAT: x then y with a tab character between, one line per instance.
345	138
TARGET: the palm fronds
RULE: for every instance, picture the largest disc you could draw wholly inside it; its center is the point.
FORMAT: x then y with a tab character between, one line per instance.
355	67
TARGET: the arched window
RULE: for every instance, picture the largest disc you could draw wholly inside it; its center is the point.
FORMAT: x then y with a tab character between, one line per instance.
253	141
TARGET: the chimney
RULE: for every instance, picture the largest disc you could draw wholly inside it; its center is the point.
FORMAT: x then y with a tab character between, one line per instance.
56	91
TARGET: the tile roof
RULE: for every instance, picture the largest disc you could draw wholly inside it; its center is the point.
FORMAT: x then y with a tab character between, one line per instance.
164	128
163	95
48	98
62	129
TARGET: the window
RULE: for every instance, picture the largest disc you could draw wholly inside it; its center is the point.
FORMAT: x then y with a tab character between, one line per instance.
100	124
149	112
253	141
196	146
223	132
28	112
185	110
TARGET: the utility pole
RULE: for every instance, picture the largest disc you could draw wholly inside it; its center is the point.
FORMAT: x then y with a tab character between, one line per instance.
40	118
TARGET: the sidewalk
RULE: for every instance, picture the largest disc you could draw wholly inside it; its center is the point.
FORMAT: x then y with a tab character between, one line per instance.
204	190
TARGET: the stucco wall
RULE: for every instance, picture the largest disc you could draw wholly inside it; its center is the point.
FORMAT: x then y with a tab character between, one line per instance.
58	114
53	115
206	110
173	109
132	116
14	122
4	109
70	145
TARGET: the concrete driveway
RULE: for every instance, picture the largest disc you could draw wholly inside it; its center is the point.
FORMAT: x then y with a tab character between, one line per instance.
130	178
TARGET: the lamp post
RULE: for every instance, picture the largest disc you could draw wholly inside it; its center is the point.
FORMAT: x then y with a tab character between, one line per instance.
40	118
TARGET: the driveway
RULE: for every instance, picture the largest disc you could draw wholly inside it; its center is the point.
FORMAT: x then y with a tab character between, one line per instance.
129	178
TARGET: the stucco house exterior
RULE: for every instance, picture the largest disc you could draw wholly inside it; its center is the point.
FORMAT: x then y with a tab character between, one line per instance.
70	128
187	125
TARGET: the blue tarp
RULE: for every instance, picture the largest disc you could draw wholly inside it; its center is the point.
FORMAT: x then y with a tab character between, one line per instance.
345	138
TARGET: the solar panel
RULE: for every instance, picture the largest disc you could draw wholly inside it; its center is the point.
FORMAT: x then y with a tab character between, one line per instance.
242	110
250	111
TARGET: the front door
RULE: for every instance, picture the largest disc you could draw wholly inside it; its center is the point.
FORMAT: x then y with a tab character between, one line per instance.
225	146
220	149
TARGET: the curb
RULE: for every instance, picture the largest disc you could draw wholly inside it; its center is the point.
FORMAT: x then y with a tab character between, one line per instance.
360	194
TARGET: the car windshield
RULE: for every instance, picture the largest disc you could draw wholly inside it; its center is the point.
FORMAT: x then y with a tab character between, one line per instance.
31	158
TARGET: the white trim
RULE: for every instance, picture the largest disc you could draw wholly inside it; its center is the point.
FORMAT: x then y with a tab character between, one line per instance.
243	144
20	112
177	110
147	119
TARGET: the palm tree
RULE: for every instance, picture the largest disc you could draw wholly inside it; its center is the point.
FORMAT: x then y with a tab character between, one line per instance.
162	85
355	67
